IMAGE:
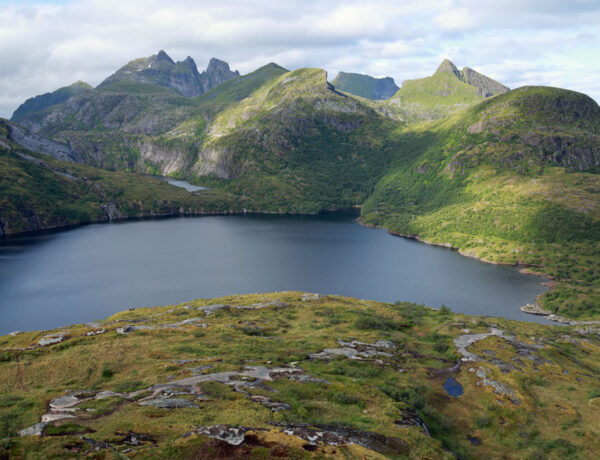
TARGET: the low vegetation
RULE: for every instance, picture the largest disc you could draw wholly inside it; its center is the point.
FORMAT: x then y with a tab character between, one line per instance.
538	397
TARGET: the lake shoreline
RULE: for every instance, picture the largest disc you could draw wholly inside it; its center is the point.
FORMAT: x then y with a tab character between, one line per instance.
158	216
535	310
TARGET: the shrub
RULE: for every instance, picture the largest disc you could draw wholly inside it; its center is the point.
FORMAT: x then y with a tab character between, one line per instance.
380	323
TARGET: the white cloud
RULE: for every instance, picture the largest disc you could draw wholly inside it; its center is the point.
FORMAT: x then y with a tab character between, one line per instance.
47	45
456	19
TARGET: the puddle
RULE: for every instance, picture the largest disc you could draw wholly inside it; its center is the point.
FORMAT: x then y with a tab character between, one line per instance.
452	387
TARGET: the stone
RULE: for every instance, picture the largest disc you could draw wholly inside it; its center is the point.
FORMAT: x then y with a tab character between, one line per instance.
310	296
499	388
410	417
53	417
51	339
168	403
34	430
108	394
96	332
64	402
230	434
210	309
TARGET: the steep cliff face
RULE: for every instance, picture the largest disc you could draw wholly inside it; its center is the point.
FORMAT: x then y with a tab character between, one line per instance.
39	144
216	73
542	124
365	85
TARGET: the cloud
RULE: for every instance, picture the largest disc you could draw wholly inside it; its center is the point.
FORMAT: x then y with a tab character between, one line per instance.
48	44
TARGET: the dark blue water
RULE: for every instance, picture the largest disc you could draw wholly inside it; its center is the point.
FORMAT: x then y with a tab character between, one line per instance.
452	387
91	272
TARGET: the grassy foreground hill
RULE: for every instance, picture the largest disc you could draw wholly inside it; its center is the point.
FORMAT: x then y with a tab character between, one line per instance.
293	375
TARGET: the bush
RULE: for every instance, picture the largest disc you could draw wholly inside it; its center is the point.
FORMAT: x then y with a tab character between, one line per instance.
107	373
380	323
346	400
355	369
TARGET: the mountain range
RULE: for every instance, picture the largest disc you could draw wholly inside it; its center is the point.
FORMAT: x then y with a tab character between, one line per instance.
454	158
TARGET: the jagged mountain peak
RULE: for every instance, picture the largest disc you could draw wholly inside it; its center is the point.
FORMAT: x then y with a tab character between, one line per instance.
163	56
182	77
486	86
217	65
448	66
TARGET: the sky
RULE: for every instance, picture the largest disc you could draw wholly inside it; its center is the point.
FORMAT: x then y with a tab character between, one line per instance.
47	44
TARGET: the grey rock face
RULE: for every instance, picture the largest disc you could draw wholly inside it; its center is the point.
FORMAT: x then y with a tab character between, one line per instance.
216	73
39	144
448	66
182	77
487	86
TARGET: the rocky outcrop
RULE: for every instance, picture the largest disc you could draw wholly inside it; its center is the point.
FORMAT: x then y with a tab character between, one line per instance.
216	73
566	151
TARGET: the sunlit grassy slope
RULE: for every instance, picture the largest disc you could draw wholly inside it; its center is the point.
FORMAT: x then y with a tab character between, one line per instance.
512	179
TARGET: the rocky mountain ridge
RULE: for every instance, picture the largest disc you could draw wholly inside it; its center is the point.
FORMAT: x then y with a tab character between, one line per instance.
182	77
487	86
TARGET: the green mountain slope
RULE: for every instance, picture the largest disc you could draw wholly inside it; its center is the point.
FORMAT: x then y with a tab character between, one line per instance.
513	180
41	103
365	85
296	144
39	192
443	93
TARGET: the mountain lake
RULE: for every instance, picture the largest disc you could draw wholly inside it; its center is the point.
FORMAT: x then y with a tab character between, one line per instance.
90	272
